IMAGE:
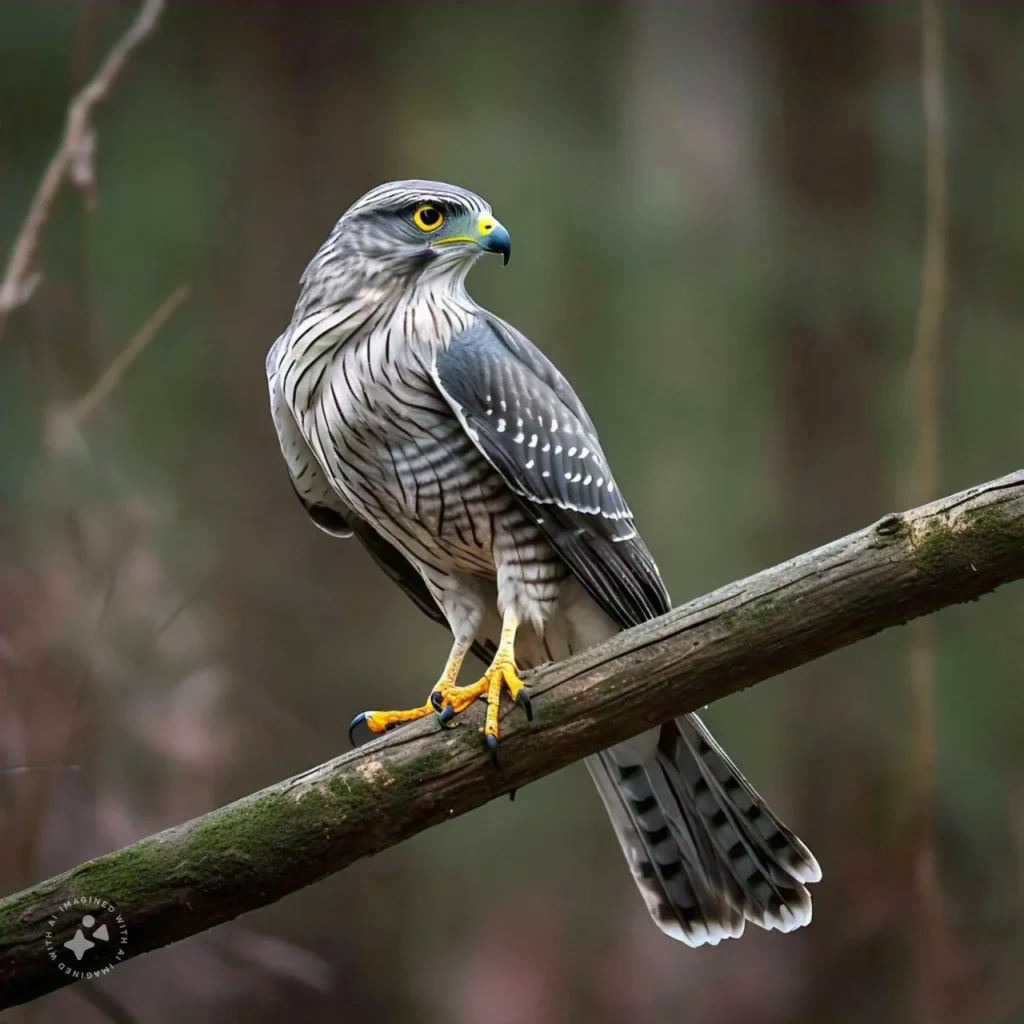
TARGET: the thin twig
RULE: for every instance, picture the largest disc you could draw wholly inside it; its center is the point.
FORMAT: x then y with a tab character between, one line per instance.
98	393
925	377
72	158
170	618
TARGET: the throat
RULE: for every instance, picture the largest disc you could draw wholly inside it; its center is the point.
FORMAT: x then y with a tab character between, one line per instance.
428	315
377	326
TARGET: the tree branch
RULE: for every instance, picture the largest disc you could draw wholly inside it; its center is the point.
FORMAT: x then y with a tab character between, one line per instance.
253	852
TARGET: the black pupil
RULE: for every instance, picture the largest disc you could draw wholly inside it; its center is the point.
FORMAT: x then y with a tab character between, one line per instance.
428	216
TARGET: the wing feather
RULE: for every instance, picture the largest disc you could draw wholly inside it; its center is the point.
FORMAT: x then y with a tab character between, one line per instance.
528	422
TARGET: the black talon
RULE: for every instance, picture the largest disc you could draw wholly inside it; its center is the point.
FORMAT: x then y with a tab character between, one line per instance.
512	794
492	746
447	713
358	720
437	701
523	700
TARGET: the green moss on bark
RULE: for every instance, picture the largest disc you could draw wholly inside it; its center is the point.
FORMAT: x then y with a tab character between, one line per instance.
981	537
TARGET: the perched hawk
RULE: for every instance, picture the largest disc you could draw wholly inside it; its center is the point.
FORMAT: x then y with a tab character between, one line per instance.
456	452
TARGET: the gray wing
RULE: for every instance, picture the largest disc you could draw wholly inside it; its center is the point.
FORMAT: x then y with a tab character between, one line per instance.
333	515
527	421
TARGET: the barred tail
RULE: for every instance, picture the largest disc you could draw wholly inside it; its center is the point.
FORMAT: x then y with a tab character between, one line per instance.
706	851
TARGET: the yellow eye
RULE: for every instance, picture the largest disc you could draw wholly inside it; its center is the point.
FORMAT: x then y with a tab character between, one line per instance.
427	217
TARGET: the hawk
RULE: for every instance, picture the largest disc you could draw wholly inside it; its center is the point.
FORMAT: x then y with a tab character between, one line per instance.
456	452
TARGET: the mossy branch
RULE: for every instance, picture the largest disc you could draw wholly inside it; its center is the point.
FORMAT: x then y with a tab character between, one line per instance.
253	852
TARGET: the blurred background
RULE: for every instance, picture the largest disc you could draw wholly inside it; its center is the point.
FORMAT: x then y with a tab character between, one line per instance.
718	213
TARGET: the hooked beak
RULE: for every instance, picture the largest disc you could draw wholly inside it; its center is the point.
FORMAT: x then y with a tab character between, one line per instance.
490	235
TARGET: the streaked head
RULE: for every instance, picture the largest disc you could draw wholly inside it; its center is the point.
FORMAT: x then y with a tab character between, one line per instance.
404	227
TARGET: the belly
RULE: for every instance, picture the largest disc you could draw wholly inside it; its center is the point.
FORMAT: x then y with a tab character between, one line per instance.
453	497
449	510
427	488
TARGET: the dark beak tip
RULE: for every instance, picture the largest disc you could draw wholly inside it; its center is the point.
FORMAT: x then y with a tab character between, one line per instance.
505	256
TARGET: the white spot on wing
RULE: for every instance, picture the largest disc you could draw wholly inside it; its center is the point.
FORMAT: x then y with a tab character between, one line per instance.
545	473
530	464
519	437
533	440
558	449
587	479
584	452
554	423
571	452
504	407
501	425
547	447
611	486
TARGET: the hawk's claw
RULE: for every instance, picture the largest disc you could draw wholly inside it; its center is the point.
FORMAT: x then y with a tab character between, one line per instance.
379	722
523	700
357	721
447	701
445	709
492	746
364	719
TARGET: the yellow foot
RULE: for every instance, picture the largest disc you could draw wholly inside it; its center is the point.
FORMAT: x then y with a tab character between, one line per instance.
502	674
381	721
449	700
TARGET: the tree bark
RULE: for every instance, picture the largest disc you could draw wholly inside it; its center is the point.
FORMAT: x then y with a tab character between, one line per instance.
252	852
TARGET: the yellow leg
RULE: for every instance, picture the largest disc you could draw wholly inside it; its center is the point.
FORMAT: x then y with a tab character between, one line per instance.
380	721
501	674
448	699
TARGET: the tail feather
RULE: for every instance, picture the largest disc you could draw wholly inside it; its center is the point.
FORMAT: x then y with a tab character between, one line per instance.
769	894
683	902
706	851
778	841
